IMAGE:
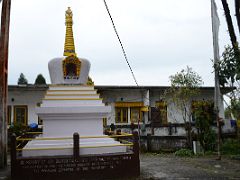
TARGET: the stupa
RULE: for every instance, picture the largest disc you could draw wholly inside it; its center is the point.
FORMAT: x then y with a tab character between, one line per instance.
71	105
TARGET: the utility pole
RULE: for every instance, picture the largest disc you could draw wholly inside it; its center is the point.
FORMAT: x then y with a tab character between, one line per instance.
217	93
4	41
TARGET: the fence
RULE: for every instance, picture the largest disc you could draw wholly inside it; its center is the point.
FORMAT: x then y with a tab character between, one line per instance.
76	166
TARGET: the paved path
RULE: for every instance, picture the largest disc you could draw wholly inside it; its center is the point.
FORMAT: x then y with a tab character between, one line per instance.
155	166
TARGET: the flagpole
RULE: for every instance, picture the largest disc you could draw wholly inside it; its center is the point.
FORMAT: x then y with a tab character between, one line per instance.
217	94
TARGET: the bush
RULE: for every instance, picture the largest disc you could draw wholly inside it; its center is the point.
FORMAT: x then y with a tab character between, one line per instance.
204	118
231	147
184	153
18	129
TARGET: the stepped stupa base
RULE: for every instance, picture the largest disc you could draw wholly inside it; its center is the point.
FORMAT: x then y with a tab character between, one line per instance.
65	147
67	109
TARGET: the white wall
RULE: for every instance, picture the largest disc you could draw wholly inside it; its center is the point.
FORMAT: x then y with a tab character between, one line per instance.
174	114
25	97
32	96
124	95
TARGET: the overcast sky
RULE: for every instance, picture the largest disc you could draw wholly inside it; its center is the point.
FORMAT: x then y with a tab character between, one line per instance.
161	37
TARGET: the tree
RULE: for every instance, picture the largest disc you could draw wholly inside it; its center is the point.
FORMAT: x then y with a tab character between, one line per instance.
22	79
237	12
40	80
204	117
229	75
229	70
184	87
229	67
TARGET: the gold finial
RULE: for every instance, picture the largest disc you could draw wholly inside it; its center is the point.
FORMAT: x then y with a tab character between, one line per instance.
69	48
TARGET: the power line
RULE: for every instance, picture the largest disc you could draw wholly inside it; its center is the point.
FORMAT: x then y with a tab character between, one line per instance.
123	50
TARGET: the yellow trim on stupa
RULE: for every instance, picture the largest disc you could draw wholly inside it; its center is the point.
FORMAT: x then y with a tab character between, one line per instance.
70	85
69	48
64	99
67	90
72	94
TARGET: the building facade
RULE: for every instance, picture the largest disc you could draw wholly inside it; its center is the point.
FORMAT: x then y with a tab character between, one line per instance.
143	108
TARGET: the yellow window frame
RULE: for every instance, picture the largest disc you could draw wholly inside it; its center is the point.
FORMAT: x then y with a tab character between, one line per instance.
139	114
122	110
163	109
25	112
9	114
104	122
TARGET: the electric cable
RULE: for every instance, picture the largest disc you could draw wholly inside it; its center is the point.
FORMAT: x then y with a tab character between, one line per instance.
123	50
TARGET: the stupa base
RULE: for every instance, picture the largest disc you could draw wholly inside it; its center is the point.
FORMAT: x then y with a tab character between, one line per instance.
65	147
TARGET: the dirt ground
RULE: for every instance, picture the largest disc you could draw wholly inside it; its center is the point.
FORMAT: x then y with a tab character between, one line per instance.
168	166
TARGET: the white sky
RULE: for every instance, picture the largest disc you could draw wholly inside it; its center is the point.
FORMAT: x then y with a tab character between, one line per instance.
161	37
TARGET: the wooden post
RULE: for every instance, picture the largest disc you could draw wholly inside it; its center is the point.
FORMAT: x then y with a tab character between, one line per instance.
4	39
13	155
136	152
76	145
149	148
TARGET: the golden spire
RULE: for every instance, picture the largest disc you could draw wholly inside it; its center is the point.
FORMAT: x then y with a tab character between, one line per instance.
69	48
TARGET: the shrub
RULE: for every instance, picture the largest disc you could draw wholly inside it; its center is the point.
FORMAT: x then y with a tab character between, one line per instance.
231	147
18	129
184	153
204	118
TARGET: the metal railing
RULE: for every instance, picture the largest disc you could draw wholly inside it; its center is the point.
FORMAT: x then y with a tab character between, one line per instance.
19	142
56	166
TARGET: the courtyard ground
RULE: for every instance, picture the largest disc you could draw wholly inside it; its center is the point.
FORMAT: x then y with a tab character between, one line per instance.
168	166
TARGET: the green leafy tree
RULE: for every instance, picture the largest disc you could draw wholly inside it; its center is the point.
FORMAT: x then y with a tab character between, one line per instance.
22	79
184	87
229	76
204	119
40	80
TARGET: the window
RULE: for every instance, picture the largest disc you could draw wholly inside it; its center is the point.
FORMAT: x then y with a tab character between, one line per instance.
162	106
136	114
121	114
20	114
71	67
159	113
9	114
128	112
104	122
40	121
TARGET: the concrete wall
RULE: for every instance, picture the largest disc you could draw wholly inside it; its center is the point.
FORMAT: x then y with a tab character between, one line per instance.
32	96
29	97
124	95
174	115
161	138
